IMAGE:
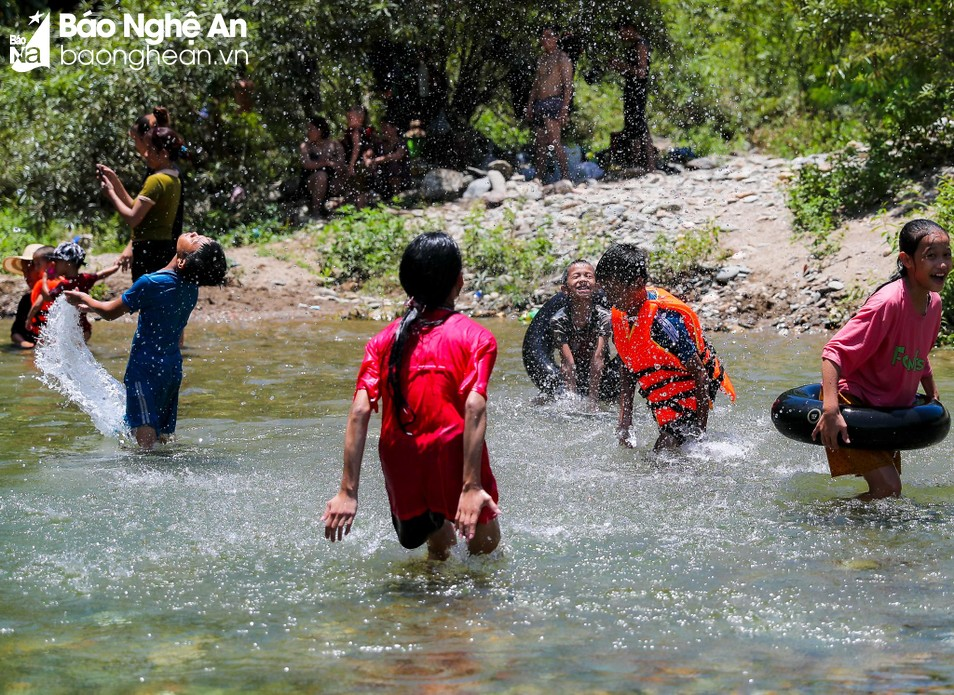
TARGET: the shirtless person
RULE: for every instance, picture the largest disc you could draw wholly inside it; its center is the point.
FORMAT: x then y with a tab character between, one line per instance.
548	106
321	161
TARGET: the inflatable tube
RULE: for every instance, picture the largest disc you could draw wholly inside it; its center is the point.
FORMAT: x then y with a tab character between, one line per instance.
538	351
796	412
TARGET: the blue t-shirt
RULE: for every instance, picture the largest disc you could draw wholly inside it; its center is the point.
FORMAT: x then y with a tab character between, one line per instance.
164	302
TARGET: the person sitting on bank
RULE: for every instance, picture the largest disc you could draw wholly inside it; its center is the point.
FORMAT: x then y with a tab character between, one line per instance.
322	160
388	164
581	331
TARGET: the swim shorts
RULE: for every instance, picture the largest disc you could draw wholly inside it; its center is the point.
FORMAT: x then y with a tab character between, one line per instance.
413	533
859	461
152	402
548	108
682	429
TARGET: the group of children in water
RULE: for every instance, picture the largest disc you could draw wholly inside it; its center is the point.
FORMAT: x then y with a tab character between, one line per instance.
429	371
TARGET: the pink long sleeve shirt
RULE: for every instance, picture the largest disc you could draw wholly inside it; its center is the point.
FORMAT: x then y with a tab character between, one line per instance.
882	351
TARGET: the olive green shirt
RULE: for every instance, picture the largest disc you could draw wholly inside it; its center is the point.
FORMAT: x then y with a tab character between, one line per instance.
164	189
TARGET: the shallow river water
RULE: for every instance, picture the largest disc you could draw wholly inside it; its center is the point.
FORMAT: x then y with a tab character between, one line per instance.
737	564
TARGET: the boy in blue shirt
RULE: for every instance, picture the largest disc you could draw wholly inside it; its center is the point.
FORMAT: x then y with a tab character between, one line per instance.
165	300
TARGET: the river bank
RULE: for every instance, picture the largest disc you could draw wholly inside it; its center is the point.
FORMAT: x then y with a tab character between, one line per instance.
760	278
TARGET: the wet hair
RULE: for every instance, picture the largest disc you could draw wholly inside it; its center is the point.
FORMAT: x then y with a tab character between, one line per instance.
321	125
909	238
159	118
165	139
206	266
626	263
578	261
429	269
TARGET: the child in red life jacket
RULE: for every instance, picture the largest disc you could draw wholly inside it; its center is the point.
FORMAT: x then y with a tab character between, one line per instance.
660	340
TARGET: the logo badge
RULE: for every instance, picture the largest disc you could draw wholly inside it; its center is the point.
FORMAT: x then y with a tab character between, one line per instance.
35	53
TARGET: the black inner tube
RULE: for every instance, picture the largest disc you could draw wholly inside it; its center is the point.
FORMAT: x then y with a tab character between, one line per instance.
796	412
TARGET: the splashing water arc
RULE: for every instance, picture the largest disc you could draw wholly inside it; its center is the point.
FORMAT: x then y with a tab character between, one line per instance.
67	366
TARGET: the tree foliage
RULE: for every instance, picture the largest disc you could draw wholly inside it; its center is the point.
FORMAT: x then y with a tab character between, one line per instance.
795	75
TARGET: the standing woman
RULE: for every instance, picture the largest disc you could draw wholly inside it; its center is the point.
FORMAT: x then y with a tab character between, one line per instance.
152	214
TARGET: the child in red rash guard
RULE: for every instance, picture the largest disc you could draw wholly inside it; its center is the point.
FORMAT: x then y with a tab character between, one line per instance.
429	370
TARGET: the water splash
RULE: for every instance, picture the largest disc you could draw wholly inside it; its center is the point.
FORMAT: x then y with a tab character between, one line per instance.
67	366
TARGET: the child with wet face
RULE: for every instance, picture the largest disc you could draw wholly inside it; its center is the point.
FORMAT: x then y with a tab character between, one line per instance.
660	340
165	300
581	331
880	356
430	371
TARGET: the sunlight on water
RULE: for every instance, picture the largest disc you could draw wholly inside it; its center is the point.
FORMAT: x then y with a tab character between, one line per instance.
67	366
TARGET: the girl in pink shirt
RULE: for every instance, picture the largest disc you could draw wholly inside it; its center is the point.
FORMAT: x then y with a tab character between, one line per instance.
429	370
881	355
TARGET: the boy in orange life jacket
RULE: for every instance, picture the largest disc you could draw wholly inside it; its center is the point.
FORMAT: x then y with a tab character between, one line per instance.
660	341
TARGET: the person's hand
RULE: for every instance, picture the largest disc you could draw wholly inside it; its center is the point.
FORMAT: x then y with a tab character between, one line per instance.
339	515
623	436
564	115
78	299
617	64
528	113
830	425
125	259
471	502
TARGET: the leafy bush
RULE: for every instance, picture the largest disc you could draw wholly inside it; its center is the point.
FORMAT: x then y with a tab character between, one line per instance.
503	261
672	259
366	244
822	197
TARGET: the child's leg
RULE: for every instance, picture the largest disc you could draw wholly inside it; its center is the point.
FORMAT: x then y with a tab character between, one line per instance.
145	436
486	538
882	482
441	541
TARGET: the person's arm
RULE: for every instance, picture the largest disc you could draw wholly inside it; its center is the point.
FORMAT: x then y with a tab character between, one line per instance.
597	364
109	310
626	394
473	497
394	156
831	424
125	258
132	215
105	172
341	509
928	383
35	308
106	272
642	69
568	367
531	97
355	152
566	81
701	377
307	162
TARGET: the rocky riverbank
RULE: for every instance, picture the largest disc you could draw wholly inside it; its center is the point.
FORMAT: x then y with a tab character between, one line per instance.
760	277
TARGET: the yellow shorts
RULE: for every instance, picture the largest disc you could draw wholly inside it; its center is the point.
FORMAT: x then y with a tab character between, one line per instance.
859	461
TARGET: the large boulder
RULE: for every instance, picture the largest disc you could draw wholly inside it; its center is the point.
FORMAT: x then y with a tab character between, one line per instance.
441	185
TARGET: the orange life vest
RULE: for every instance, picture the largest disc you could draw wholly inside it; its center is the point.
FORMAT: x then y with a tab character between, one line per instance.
39	319
663	380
